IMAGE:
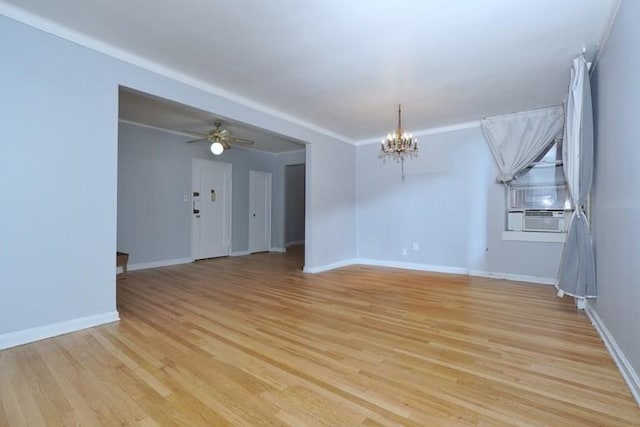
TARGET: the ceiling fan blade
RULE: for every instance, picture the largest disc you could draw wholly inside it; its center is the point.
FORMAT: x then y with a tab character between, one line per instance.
197	140
226	145
202	135
222	133
241	141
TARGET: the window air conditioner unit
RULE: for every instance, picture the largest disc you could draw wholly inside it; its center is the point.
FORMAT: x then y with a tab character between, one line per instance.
548	221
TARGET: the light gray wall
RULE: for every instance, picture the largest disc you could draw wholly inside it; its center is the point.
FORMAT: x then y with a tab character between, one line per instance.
278	195
449	204
154	175
616	190
294	203
330	204
57	178
59	175
154	172
243	161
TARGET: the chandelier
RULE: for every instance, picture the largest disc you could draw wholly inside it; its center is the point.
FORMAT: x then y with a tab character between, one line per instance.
399	145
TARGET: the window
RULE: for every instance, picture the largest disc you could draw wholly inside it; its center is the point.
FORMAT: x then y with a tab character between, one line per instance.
543	185
538	200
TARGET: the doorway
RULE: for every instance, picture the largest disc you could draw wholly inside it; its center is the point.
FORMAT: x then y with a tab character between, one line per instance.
211	209
294	205
259	211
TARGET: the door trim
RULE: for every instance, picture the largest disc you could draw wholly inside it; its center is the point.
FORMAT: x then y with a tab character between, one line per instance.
228	169
253	173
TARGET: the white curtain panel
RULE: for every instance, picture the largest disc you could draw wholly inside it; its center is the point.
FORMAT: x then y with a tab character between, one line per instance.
518	139
577	273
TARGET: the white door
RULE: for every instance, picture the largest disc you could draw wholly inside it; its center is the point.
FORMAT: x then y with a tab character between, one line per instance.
211	209
259	211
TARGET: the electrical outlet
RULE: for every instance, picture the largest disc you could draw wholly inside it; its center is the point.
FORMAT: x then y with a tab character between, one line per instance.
185	197
404	251
416	246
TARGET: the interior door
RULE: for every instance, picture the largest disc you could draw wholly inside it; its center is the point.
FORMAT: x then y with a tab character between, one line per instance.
211	209
259	211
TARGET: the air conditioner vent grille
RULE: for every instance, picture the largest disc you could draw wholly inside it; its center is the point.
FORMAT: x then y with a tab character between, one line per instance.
550	221
539	214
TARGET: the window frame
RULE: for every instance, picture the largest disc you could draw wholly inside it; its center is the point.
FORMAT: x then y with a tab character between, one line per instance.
539	236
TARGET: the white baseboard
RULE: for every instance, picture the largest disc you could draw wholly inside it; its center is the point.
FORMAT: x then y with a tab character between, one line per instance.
628	373
515	277
13	339
432	268
328	267
248	252
296	242
240	253
411	266
156	264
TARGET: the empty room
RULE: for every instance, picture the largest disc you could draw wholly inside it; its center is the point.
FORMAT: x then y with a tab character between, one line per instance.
409	213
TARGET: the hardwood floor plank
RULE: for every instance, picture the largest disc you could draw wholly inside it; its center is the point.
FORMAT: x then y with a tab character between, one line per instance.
253	341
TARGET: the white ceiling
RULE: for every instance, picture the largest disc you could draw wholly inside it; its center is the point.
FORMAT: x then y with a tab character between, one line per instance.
345	65
148	110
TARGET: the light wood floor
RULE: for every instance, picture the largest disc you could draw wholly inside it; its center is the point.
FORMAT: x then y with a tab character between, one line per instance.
253	341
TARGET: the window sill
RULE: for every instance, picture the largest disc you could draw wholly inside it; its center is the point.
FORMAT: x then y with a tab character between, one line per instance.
533	236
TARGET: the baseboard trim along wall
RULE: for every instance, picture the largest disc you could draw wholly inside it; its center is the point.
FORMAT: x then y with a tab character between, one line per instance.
13	339
281	250
628	373
412	266
240	253
433	269
156	264
328	267
551	281
294	243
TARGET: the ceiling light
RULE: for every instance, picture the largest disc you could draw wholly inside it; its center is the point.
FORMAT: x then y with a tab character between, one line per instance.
399	145
217	148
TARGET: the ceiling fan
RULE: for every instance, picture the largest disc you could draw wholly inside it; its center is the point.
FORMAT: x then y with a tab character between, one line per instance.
220	139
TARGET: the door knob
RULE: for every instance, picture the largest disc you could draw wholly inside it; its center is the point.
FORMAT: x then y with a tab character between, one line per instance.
254	215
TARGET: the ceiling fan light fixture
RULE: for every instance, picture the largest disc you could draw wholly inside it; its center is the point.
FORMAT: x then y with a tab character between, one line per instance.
220	139
217	148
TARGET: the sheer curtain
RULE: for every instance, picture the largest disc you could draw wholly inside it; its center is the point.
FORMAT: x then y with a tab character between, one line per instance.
518	139
577	274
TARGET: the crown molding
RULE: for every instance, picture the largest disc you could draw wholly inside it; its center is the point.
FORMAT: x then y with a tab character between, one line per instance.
605	39
56	29
428	131
301	150
142	125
